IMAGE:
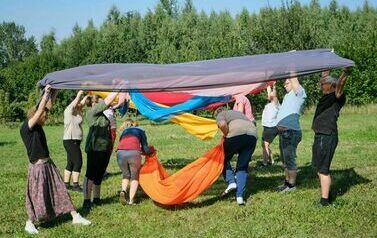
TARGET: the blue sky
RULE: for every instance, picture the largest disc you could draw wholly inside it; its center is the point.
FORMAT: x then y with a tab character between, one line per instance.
42	16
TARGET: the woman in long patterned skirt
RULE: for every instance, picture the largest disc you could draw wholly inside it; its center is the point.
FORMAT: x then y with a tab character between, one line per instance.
46	195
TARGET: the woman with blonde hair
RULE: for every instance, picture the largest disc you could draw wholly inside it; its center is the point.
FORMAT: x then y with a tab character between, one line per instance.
132	143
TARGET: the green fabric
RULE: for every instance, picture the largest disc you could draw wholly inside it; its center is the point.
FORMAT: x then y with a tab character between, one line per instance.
99	136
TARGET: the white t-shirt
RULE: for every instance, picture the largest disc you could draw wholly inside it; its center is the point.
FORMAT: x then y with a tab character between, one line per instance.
109	113
72	124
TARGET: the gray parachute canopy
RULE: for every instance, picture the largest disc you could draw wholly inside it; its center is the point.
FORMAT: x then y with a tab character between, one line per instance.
209	77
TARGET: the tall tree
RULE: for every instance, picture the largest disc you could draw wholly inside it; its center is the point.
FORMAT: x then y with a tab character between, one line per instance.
14	45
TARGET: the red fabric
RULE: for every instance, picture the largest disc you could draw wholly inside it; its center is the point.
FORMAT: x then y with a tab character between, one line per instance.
168	98
113	135
129	143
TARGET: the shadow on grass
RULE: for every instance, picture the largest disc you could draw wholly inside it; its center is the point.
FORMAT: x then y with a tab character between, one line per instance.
176	163
57	221
6	143
267	179
342	180
204	203
112	174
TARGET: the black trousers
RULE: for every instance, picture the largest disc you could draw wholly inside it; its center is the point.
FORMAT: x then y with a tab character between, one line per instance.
96	165
74	156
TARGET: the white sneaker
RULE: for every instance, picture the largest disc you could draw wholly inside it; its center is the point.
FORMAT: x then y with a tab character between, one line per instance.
287	189
240	201
231	187
30	228
78	219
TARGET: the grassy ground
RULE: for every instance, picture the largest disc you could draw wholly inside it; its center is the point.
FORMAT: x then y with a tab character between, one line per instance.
267	213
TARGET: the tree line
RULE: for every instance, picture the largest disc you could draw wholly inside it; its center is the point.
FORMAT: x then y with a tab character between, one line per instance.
169	33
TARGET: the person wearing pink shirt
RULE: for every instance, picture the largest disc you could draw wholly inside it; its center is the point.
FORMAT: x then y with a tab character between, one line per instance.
242	104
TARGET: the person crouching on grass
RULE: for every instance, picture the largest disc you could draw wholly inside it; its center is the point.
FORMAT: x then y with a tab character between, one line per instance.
240	137
326	129
132	143
46	194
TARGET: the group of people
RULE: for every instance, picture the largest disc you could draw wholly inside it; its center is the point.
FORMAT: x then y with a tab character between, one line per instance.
46	193
239	131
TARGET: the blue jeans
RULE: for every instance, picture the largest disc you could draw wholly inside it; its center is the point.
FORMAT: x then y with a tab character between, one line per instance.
244	146
288	143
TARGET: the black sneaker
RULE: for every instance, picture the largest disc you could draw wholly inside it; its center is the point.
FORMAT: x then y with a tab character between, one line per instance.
87	205
320	204
288	189
96	201
67	186
76	188
106	175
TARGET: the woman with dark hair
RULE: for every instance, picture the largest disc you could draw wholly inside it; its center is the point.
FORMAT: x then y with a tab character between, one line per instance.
46	195
98	146
72	139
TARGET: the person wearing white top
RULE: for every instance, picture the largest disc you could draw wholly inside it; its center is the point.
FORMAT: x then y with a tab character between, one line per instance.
269	122
72	138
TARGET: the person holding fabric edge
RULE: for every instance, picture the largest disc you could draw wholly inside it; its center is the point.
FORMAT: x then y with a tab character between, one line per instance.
326	129
110	115
132	143
123	99
46	195
243	105
290	135
98	145
270	131
72	138
240	137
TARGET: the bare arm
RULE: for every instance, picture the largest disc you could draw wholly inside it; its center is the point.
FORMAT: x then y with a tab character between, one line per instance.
122	98
240	107
341	82
295	84
42	104
83	100
110	98
76	101
269	90
274	95
223	127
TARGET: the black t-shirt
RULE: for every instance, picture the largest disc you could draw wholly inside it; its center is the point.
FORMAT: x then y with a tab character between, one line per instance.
327	113
35	142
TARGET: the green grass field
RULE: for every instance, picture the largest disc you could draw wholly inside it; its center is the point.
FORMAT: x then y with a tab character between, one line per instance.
266	214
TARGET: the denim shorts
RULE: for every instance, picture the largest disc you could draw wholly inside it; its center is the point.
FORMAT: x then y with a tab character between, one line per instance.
289	140
129	162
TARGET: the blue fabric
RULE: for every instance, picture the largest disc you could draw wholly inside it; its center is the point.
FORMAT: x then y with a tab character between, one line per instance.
290	110
140	133
158	113
123	109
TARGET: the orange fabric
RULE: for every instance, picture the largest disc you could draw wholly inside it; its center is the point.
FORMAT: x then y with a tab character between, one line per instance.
186	184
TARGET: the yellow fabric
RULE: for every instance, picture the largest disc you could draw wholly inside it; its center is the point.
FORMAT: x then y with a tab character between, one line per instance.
201	127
